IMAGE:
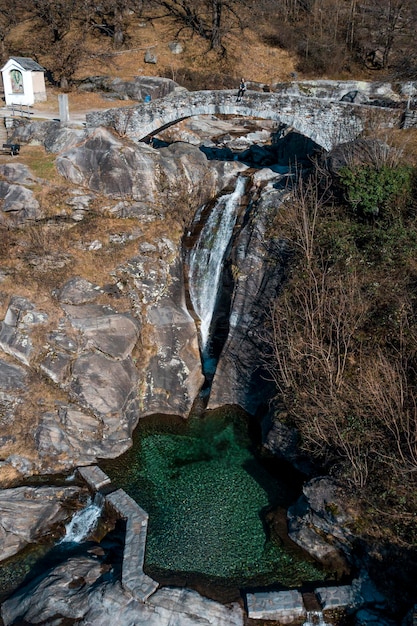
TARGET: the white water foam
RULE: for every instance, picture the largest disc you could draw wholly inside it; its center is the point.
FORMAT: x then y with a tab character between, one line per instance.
315	618
83	522
207	258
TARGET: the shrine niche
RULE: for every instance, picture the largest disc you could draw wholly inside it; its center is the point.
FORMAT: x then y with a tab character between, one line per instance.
23	81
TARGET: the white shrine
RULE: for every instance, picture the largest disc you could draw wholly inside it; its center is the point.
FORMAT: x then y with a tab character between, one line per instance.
23	81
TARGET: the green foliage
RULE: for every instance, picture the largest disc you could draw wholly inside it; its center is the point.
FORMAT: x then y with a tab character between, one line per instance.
371	191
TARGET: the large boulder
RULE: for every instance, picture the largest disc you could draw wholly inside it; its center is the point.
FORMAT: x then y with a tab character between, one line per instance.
18	173
123	169
49	134
29	513
319	523
19	205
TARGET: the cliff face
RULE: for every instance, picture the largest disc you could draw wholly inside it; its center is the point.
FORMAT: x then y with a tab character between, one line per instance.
104	336
258	266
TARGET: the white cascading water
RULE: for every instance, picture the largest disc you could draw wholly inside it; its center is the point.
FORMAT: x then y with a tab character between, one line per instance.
315	618
207	258
84	522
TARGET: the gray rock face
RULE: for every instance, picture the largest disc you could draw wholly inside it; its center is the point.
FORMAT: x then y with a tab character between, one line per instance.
12	383
50	134
173	377
78	589
71	437
258	271
114	334
17	326
170	370
17	173
28	513
283	442
64	593
136	89
91	359
318	522
106	164
19	205
12	377
160	178
103	385
78	290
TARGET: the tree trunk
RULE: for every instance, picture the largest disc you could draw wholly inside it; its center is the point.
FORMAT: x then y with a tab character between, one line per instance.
216	34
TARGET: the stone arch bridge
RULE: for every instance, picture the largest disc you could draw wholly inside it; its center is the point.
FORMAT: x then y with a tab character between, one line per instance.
326	122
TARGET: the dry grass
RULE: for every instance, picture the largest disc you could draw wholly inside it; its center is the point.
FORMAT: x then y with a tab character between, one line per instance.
406	140
248	56
40	162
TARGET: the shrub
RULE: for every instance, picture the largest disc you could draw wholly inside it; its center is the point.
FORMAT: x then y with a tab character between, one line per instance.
371	191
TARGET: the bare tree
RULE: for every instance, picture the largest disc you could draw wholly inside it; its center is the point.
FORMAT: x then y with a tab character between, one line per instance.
54	17
112	17
9	16
210	19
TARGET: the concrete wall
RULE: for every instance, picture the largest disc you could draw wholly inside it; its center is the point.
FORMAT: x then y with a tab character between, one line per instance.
39	90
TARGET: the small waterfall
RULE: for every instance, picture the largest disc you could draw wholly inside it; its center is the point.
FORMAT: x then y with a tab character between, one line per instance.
84	522
315	618
207	258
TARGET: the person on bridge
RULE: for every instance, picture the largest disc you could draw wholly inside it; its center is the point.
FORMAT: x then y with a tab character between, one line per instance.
241	91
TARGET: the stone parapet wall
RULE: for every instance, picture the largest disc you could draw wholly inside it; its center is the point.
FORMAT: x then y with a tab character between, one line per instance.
134	579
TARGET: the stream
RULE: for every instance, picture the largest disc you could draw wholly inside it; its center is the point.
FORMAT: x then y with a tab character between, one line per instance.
84	522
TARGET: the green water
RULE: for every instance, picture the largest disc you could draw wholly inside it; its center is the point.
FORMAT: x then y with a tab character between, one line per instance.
207	498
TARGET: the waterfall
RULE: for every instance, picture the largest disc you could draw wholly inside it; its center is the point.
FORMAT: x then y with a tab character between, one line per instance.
84	522
315	618
207	258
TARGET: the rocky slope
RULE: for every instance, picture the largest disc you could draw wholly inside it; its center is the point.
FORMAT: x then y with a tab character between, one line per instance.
108	351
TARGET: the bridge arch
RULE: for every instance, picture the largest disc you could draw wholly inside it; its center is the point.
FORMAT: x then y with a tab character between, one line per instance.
325	122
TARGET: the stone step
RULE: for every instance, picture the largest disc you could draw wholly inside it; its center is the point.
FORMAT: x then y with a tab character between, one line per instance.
95	478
